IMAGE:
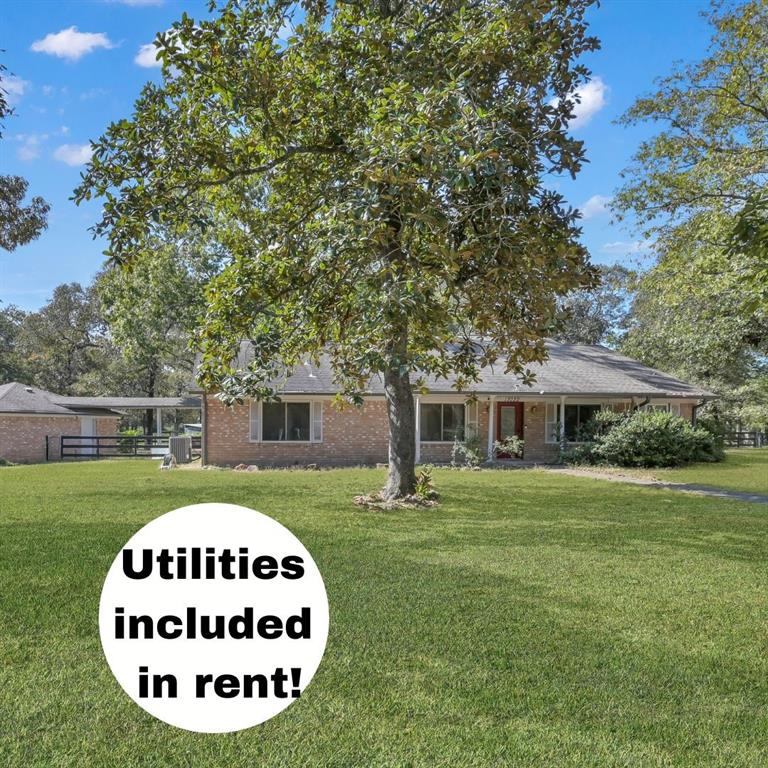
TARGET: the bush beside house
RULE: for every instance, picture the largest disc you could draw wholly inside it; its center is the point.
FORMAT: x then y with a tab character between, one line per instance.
644	439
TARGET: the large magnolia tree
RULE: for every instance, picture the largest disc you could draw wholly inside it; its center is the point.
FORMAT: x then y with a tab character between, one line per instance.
378	179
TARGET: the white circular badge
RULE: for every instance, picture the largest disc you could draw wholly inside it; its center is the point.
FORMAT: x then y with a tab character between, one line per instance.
213	618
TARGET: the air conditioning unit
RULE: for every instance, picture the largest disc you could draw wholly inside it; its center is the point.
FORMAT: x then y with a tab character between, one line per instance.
180	448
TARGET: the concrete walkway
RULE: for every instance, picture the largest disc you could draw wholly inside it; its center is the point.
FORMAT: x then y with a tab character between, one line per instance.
703	490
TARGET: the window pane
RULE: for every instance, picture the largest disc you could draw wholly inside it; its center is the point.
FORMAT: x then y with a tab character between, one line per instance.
273	416
571	421
453	422
586	412
430	421
508	421
298	421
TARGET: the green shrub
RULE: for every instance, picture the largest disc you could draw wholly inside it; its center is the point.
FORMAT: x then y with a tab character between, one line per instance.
583	453
425	486
6	463
127	445
600	424
708	445
510	446
467	453
656	439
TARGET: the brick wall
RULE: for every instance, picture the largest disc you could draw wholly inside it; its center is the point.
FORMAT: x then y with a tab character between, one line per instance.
536	449
22	438
353	436
350	436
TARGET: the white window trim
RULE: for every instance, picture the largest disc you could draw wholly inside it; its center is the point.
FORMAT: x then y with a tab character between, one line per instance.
314	406
668	406
551	436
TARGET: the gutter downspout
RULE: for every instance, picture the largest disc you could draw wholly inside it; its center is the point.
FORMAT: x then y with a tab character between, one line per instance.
204	441
695	411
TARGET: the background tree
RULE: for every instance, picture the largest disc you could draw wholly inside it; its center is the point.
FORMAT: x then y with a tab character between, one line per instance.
596	315
152	309
19	224
12	367
381	183
696	189
59	341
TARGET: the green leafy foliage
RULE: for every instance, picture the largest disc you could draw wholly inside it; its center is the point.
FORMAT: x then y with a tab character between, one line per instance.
697	189
12	364
510	447
425	484
656	439
467	453
596	315
19	223
126	442
378	183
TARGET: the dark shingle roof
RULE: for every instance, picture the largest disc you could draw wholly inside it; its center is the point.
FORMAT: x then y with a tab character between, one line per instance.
569	370
126	402
20	398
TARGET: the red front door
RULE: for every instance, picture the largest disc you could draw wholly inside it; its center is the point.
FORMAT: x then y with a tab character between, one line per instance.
509	422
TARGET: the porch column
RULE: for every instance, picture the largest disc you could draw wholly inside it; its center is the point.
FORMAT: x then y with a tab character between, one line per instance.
561	431
418	429
491	425
158	421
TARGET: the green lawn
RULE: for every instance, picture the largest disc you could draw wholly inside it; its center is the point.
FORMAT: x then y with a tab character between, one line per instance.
530	620
744	469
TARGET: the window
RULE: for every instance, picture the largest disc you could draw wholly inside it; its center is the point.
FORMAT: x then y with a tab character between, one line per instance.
576	416
287	422
666	407
551	432
441	422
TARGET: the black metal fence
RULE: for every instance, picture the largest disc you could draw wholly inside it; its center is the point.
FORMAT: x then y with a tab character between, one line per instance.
119	446
745	439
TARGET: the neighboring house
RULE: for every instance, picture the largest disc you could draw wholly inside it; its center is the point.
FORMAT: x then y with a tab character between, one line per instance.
31	417
32	421
306	427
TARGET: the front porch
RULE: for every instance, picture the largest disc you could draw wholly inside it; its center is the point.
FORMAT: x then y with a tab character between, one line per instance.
542	423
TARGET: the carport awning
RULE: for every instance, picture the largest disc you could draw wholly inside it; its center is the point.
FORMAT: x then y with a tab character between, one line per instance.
128	402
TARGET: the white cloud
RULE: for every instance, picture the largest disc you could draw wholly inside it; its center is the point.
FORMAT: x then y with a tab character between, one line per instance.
30	145
93	93
64	130
71	44
48	90
590	98
596	205
14	88
624	248
147	56
73	154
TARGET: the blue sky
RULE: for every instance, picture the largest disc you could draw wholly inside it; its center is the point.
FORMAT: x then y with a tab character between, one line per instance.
69	84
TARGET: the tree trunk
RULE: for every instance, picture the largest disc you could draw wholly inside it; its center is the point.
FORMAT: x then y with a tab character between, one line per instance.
397	383
148	419
401	480
149	414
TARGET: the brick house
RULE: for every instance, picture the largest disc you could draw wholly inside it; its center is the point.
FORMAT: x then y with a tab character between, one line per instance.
305	426
32	421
